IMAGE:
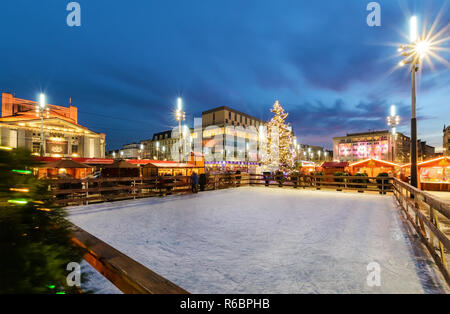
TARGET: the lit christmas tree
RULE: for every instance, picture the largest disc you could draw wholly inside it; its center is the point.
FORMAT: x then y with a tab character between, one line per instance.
279	141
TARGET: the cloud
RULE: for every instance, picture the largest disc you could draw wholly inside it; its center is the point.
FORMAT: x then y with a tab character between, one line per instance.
317	122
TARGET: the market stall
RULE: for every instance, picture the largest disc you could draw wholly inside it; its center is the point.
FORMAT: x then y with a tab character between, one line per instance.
373	167
435	174
308	167
170	168
331	167
64	168
120	168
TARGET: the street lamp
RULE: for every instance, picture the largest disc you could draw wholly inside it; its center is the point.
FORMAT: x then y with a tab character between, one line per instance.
157	150
246	154
42	109
414	53
392	120
141	150
180	116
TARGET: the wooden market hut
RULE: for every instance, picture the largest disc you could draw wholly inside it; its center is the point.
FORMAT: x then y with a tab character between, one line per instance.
330	167
434	174
308	167
372	167
170	168
64	168
120	168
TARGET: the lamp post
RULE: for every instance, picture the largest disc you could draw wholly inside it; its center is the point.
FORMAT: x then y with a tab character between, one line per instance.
414	53
180	116
141	150
157	150
41	109
392	120
246	154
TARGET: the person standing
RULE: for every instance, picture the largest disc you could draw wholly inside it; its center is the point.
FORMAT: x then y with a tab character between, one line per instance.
194	182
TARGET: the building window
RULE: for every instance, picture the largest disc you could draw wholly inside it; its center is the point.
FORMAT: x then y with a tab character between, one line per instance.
229	115
36	147
74	149
214	117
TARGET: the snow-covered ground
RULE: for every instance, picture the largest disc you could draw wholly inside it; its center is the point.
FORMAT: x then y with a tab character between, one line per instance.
267	240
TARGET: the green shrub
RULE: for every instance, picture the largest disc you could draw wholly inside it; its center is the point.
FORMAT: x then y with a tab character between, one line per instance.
379	181
295	178
279	177
362	180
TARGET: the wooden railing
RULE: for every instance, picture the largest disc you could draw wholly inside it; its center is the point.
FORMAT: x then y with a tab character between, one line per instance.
339	183
430	217
85	191
125	273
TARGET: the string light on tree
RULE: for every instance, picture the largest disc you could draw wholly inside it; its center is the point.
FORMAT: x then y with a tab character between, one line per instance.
279	141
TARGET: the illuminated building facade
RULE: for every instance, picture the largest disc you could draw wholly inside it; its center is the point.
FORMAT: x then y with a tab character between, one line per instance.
128	151
20	126
162	145
446	141
381	145
231	135
313	153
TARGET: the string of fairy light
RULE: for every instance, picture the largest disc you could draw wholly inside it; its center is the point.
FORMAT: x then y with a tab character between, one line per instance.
278	127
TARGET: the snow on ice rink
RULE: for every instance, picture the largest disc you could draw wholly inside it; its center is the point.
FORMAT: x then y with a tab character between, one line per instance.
267	240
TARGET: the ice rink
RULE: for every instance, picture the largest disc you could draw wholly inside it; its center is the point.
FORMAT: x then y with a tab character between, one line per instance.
267	240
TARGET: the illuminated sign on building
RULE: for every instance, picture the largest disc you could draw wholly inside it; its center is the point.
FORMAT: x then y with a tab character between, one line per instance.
363	150
56	147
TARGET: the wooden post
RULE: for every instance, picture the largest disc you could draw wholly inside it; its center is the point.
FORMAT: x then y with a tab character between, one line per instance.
87	191
441	246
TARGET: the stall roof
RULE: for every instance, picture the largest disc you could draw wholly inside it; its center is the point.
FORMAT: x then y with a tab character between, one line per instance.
147	161
65	163
121	164
173	164
92	161
334	164
376	161
430	161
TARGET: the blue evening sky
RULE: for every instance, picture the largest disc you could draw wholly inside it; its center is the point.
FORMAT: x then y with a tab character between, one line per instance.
129	61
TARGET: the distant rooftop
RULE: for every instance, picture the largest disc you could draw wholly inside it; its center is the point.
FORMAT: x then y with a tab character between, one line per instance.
232	110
